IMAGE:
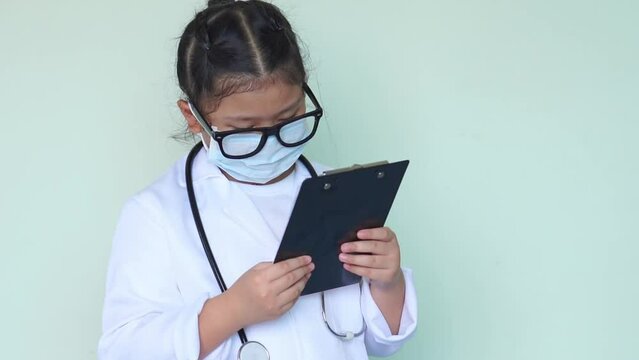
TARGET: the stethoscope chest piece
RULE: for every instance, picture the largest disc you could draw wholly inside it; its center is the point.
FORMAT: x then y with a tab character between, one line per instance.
253	350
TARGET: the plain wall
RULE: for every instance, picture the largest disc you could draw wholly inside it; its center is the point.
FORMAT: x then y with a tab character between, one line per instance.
519	212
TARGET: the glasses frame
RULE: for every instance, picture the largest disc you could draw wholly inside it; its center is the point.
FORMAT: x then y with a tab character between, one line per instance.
266	131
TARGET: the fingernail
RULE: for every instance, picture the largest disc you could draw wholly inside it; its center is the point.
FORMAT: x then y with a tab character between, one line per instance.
342	256
311	266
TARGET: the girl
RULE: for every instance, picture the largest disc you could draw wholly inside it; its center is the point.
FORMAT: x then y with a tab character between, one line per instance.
240	68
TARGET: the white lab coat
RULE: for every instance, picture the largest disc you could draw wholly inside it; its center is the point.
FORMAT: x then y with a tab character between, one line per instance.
159	278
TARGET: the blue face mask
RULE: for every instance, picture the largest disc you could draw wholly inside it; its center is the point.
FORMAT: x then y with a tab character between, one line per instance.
272	161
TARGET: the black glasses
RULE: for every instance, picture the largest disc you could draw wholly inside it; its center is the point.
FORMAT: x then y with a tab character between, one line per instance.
243	143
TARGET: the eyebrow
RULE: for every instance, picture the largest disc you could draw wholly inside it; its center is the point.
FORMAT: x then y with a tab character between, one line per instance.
285	110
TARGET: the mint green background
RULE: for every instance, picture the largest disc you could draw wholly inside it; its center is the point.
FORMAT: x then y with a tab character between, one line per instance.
520	209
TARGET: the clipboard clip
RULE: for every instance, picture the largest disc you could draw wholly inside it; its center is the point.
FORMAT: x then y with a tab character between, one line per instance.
355	167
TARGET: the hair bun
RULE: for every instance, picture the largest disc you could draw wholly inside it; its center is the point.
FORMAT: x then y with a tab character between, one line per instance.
216	3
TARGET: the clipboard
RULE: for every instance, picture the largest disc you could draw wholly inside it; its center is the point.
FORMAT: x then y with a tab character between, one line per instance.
329	211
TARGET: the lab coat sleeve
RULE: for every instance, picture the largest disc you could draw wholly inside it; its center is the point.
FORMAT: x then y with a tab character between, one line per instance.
378	337
144	316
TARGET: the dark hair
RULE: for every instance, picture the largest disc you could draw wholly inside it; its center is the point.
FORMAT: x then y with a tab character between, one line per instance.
234	46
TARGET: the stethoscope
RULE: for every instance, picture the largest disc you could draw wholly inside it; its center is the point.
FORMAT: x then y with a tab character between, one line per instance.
250	350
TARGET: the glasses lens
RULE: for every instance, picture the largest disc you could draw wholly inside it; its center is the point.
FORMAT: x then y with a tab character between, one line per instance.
242	143
298	130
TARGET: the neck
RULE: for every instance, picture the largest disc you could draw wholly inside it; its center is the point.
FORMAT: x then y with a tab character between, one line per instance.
278	178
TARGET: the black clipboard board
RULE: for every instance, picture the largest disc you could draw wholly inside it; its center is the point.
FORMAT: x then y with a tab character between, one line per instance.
329	211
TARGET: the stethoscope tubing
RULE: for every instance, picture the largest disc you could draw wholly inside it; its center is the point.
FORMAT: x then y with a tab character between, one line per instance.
200	228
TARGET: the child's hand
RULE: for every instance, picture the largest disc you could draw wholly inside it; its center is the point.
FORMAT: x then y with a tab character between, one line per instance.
267	290
382	265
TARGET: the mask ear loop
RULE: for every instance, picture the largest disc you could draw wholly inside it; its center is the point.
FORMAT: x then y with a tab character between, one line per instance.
199	119
206	147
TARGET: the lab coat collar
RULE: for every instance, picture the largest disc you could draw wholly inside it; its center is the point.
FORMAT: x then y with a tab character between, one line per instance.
240	209
220	204
202	169
228	201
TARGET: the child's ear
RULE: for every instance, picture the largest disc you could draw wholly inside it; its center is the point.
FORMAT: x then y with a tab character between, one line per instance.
193	125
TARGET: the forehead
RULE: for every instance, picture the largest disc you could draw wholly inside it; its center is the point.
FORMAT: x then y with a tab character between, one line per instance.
267	100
